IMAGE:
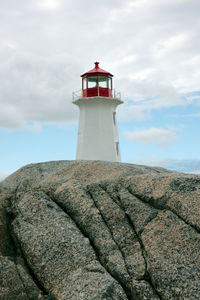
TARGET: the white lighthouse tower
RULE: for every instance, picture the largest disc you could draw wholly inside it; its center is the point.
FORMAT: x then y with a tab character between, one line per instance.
98	134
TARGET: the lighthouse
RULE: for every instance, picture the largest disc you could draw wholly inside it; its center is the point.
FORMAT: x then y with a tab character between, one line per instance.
97	101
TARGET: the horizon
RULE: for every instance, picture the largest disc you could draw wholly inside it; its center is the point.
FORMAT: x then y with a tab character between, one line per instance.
177	166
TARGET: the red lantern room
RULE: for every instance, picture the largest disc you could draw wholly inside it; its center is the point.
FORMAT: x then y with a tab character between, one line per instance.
97	82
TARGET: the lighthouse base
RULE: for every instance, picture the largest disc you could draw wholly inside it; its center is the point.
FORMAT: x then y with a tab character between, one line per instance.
98	133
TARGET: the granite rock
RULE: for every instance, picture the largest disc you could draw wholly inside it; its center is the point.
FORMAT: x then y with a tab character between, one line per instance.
99	230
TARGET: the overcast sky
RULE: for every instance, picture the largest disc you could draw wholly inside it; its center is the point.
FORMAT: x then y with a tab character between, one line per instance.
151	46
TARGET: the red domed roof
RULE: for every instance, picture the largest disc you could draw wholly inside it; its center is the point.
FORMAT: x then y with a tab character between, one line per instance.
97	71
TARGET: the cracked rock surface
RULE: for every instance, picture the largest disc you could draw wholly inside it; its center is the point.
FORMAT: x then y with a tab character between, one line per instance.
97	230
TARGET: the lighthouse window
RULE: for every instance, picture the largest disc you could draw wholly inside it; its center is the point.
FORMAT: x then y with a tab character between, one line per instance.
84	83
109	83
103	81
117	147
92	82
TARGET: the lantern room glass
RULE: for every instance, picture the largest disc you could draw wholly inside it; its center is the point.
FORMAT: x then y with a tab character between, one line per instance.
92	82
109	83
84	83
103	81
97	81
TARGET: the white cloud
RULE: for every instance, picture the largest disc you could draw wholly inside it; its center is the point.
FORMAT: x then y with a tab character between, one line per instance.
156	136
148	96
195	115
36	90
46	44
173	43
49	4
195	172
191	166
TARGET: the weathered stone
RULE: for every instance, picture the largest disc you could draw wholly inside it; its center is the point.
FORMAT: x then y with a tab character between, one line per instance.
6	247
15	282
56	250
83	210
172	255
97	230
121	231
140	213
177	192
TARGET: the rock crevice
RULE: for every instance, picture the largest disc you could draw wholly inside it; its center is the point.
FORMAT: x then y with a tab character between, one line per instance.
95	230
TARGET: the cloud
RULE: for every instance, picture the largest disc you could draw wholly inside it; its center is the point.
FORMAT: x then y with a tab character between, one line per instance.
196	115
150	94
156	136
49	4
195	172
152	47
36	90
181	165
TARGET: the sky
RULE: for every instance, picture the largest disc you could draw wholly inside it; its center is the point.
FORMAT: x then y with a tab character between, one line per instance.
153	49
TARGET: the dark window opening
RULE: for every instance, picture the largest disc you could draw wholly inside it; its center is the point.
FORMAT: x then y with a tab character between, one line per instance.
114	117
117	148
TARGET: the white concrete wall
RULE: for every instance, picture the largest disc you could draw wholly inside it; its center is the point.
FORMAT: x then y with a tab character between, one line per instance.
97	134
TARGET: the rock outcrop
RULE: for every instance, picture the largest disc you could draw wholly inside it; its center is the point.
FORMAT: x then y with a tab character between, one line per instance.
96	230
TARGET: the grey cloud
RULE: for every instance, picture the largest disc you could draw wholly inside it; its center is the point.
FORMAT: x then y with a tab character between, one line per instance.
43	51
37	90
148	96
